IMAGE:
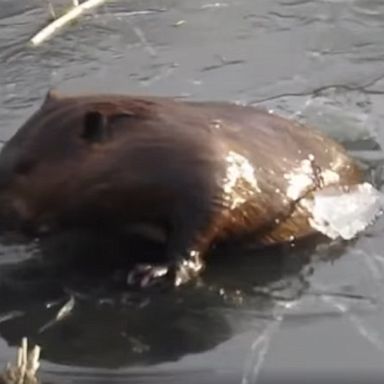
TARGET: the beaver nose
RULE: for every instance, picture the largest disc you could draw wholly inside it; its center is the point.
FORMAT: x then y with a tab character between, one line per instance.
14	215
8	163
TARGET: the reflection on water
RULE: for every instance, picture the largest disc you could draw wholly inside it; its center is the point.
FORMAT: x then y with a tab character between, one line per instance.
74	302
254	315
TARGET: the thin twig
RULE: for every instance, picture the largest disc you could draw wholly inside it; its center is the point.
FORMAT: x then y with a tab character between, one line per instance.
72	14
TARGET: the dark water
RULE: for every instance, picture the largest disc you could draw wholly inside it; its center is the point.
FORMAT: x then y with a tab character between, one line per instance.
312	312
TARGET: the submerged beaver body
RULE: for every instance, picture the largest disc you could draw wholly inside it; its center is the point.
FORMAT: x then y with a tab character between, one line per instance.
201	172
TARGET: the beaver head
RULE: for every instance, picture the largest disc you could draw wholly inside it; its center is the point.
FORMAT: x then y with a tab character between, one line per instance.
77	158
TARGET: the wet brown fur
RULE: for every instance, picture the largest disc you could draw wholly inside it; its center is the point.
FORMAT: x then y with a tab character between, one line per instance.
164	162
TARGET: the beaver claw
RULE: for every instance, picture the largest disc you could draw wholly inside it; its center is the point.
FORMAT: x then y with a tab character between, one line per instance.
185	272
147	275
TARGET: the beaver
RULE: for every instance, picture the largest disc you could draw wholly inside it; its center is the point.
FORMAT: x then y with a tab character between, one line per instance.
201	172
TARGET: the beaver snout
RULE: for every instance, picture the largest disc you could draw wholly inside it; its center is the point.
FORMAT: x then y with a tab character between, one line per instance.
15	216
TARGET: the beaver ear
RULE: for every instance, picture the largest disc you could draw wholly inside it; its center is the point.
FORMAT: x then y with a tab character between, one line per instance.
95	127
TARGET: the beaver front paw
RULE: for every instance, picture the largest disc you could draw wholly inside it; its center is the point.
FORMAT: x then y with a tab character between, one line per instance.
174	274
147	275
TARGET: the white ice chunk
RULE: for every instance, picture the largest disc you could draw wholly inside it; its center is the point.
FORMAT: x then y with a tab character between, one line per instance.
340	212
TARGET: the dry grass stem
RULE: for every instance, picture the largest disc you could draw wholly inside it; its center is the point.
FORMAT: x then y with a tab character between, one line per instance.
27	365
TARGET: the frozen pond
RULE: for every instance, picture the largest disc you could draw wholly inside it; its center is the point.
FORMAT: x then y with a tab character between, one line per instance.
313	313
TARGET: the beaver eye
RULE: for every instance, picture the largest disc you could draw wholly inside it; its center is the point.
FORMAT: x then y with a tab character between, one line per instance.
24	166
95	129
